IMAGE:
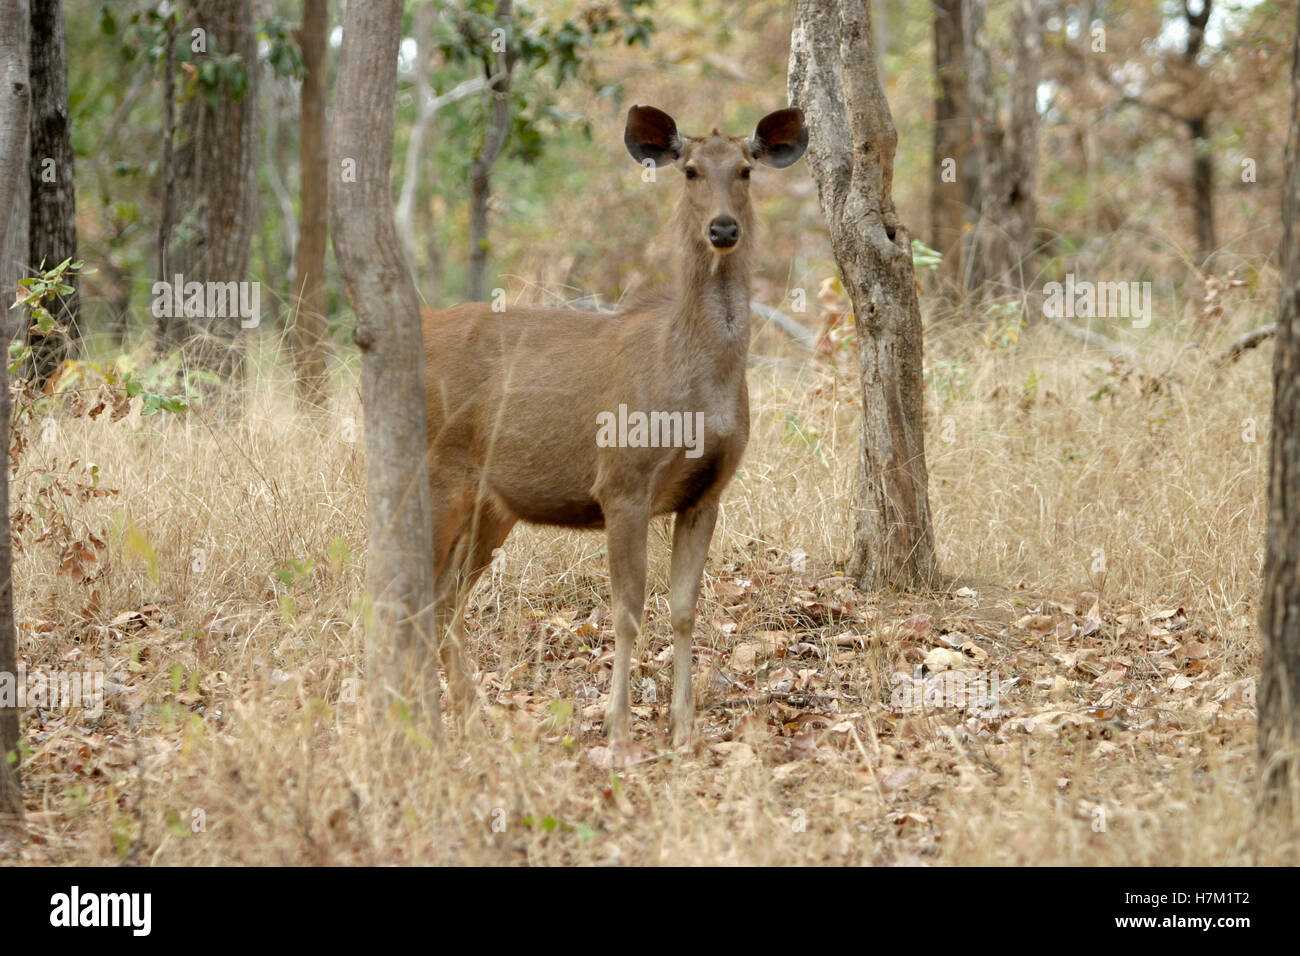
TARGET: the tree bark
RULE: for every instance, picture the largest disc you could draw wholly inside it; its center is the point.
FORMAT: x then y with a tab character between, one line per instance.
1279	686
952	131
369	254
14	252
1198	133
1008	156
1202	188
53	210
310	330
833	78
480	170
215	191
15	103
168	330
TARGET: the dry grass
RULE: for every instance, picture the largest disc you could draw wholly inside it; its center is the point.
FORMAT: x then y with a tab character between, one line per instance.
227	735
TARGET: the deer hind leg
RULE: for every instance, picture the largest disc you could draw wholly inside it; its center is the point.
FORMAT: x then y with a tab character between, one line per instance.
465	539
692	532
626	528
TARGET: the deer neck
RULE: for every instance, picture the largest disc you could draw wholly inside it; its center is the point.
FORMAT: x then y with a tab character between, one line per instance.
711	309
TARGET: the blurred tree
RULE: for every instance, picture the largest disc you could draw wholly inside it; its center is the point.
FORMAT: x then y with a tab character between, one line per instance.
310	332
212	202
1279	686
416	159
1006	153
952	184
15	100
1198	131
52	237
498	68
851	145
400	563
501	41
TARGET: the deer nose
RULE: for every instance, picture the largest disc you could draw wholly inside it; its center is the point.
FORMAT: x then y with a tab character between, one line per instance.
724	232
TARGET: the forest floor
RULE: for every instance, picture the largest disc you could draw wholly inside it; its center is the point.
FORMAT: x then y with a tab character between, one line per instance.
1081	693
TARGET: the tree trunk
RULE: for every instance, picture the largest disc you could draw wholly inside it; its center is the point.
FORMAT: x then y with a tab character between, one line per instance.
851	146
1198	132
952	131
53	211
1003	236
1021	141
15	103
310	330
169	330
424	113
1202	188
369	254
480	170
215	190
1279	686
14	252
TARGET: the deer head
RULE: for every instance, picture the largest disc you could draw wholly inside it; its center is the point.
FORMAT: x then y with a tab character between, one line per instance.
715	206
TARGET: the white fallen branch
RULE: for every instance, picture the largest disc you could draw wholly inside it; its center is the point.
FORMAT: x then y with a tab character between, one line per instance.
1098	341
786	324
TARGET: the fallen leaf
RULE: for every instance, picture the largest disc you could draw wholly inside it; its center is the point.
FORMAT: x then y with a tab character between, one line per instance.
942	659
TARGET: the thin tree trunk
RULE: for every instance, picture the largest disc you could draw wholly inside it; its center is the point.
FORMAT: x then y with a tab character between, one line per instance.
952	132
480	170
1022	134
169	331
53	234
216	187
1198	132
278	103
14	253
378	282
309	328
15	100
424	113
1202	188
1004	222
833	78
413	218
1279	686
986	143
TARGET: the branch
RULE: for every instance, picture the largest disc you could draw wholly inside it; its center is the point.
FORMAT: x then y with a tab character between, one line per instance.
785	324
1245	343
457	93
1098	341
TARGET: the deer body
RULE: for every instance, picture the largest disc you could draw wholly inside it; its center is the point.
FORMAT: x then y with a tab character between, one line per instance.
516	400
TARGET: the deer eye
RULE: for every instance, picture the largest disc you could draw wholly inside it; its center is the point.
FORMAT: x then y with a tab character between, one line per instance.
744	172
692	172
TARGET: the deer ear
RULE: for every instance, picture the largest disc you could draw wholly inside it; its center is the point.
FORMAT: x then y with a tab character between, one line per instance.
651	134
780	138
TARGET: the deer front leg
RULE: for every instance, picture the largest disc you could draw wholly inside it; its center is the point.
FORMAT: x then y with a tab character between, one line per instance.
626	532
692	531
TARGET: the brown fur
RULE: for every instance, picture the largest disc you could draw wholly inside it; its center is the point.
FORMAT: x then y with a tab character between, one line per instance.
513	399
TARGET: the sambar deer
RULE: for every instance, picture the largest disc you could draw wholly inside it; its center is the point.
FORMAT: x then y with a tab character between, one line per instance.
519	401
